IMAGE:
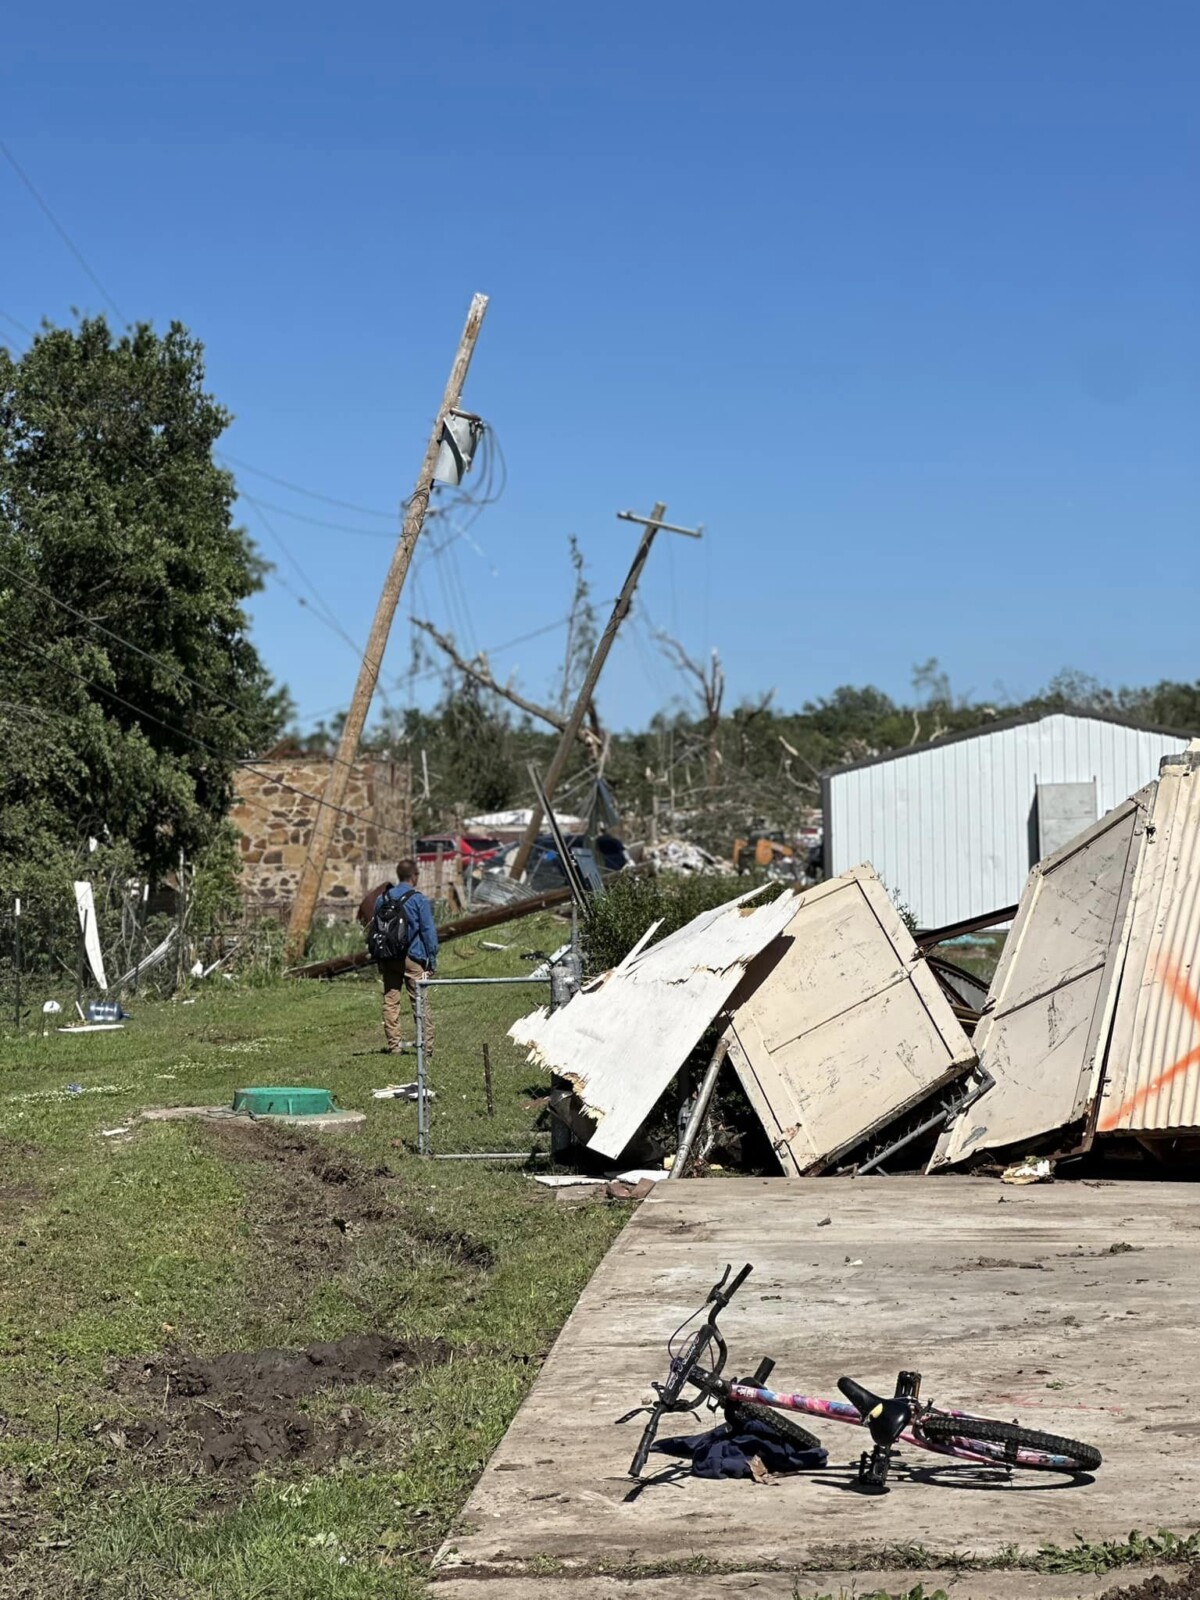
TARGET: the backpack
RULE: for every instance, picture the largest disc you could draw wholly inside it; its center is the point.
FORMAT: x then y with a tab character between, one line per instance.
389	934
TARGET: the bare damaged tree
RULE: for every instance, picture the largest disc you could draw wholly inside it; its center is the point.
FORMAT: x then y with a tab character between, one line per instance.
810	785
592	737
710	689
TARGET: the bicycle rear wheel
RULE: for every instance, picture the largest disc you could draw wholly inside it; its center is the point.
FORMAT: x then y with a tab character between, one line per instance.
739	1412
1023	1447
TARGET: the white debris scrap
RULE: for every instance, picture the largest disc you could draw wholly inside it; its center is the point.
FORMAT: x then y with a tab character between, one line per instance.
622	1039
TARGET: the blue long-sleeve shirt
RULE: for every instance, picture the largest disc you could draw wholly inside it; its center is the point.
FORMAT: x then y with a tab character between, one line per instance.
418	913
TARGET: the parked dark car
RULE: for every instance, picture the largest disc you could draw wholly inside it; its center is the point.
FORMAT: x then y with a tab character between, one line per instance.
546	870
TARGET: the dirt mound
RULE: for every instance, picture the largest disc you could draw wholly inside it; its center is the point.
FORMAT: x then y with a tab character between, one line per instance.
246	1443
258	1376
237	1411
1185	1587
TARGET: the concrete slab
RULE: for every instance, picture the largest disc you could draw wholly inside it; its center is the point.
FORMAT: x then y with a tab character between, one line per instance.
1010	1301
801	1586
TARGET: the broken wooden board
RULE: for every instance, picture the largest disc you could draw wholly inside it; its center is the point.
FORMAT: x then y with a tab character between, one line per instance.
622	1039
1043	1033
844	1030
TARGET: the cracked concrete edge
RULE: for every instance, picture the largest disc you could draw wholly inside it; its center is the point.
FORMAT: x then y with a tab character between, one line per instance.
839	1584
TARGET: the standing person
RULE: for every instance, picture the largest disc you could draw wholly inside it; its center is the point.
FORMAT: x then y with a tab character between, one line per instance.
404	941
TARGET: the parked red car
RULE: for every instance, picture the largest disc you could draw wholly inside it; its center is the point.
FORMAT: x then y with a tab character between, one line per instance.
470	848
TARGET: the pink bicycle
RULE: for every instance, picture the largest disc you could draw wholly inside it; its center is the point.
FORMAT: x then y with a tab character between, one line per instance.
902	1418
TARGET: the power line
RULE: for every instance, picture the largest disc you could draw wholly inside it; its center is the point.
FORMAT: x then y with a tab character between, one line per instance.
324	614
440	669
8	317
318	522
312	494
192	738
147	655
66	238
58	227
129	644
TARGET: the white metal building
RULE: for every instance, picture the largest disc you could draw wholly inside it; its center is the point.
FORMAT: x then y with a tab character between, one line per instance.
953	827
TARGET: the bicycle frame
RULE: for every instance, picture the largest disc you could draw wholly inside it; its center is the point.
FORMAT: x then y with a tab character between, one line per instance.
980	1450
843	1411
898	1420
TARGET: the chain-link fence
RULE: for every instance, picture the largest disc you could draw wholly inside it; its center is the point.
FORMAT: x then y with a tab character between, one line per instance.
477	1094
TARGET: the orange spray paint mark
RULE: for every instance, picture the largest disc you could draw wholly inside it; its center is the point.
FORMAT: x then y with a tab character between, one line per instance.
1183	992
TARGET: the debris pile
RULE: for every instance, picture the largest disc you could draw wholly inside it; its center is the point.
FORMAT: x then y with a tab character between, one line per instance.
835	1025
680	855
853	1043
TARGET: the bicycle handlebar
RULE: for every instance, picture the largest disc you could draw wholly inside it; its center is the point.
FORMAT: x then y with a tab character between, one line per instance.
683	1368
737	1283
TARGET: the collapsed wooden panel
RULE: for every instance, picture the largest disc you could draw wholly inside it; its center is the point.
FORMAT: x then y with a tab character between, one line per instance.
1043	1034
847	1030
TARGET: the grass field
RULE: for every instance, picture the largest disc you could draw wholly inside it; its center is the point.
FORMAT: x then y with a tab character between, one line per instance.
132	1464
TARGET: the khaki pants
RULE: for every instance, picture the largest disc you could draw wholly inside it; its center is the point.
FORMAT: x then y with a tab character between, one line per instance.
402	977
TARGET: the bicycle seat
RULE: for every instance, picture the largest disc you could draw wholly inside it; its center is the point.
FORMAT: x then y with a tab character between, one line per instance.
886	1419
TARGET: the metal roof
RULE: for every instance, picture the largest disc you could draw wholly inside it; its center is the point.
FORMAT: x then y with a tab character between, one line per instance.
954	831
1002	725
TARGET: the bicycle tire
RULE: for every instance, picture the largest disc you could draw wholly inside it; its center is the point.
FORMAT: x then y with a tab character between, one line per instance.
937	1426
739	1412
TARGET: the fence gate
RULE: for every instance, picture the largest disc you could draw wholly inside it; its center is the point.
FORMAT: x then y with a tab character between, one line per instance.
477	1095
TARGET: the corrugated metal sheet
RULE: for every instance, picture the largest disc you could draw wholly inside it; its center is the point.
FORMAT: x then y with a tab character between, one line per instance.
846	1029
1152	1084
1043	1033
622	1039
952	828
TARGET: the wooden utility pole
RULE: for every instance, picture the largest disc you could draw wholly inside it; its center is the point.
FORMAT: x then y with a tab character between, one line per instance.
334	795
587	688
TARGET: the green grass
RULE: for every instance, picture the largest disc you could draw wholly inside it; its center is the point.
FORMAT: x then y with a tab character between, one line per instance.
176	1236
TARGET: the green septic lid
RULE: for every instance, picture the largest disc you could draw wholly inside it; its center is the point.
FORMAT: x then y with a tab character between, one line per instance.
283	1102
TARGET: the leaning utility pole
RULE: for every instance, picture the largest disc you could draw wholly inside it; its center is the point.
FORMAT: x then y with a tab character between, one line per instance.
587	689
333	798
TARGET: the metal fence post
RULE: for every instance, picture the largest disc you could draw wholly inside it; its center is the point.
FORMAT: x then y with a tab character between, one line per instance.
422	1117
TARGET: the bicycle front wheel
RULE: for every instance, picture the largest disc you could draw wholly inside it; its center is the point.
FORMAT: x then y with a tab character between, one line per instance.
739	1412
1008	1441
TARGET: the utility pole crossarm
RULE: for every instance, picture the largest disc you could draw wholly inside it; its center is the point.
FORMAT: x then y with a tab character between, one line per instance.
662	527
333	797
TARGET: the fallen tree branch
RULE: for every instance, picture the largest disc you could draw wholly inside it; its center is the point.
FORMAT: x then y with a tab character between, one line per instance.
591	737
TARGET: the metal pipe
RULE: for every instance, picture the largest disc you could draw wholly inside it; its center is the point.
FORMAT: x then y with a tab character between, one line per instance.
422	1118
17	961
490	1155
699	1110
458	983
942	1118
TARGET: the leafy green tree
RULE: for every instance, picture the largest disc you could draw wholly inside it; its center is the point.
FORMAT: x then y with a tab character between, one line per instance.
129	687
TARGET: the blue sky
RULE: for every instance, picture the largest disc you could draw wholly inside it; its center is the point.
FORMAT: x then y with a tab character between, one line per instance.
899	300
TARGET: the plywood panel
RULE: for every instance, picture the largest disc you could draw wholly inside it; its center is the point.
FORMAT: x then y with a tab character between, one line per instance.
847	1030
